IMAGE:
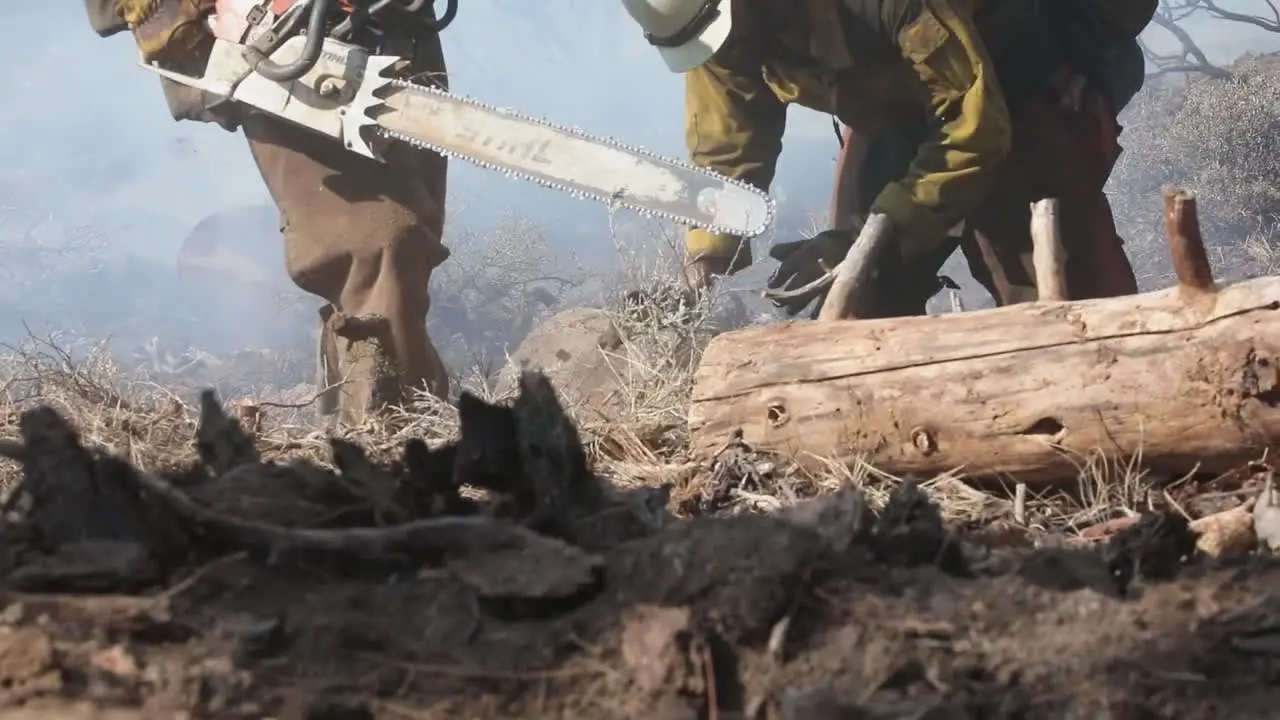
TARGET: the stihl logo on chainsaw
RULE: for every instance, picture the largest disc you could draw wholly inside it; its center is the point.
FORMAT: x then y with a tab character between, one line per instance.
533	151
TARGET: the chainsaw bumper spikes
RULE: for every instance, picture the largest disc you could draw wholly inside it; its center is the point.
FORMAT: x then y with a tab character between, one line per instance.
355	115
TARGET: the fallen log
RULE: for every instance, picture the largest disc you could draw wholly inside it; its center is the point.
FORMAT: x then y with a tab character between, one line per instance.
1184	377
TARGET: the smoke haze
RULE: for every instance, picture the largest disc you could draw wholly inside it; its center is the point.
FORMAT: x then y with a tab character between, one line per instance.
99	187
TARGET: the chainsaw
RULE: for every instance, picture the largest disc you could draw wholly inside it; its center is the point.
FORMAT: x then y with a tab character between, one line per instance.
315	63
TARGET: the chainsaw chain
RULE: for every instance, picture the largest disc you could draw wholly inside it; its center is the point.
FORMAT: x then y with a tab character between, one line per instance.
612	201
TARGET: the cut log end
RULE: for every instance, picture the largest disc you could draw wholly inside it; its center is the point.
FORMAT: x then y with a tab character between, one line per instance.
1182	232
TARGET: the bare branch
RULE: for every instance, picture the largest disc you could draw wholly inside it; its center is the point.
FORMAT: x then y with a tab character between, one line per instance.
1191	58
1270	25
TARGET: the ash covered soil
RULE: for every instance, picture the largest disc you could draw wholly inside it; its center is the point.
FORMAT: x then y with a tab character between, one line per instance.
244	589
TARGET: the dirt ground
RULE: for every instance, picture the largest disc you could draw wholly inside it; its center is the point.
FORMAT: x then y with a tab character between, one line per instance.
243	589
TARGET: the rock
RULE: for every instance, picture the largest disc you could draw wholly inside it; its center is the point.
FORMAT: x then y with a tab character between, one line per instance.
656	647
1225	534
115	660
28	666
582	352
1266	517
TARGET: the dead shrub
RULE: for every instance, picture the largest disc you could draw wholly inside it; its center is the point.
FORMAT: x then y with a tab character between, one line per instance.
1220	138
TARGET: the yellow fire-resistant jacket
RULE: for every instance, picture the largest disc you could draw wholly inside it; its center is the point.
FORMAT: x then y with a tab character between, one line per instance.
893	59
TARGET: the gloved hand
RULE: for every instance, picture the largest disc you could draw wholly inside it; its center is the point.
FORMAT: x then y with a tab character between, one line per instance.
173	33
803	262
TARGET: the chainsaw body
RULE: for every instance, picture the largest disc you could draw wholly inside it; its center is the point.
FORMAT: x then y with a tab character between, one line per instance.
262	58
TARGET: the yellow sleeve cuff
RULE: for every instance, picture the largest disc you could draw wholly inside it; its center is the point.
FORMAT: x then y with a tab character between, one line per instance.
700	242
917	228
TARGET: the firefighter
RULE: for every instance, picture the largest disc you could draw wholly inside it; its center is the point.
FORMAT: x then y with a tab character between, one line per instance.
1003	103
361	235
866	165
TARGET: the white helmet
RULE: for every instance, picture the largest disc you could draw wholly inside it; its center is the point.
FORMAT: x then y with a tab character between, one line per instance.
686	32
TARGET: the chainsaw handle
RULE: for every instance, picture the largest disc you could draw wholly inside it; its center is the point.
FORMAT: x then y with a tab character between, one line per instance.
442	22
411	8
310	55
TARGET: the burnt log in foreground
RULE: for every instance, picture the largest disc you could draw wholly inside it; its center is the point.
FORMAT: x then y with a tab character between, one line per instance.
258	587
545	515
1184	378
551	538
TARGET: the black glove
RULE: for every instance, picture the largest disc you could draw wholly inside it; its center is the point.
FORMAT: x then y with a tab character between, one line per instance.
898	290
805	261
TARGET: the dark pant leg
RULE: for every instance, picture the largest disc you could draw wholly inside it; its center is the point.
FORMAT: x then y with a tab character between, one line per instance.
1064	153
361	234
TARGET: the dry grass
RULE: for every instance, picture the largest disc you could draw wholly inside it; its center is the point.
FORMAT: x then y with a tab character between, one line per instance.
1219	137
140	421
153	427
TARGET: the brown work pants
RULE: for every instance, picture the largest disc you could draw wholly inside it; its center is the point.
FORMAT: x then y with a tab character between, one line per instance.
363	236
1058	152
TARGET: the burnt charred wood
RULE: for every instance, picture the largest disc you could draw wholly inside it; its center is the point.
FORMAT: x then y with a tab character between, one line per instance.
220	441
423	539
76	496
552	458
426	484
374	484
487	455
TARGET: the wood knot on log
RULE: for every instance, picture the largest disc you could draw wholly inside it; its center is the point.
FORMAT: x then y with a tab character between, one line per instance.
1049	428
776	414
924	441
1260	379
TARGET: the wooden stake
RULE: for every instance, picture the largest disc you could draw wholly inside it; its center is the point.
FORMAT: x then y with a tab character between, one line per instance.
1182	232
849	289
249	414
1020	504
1048	254
1050	259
